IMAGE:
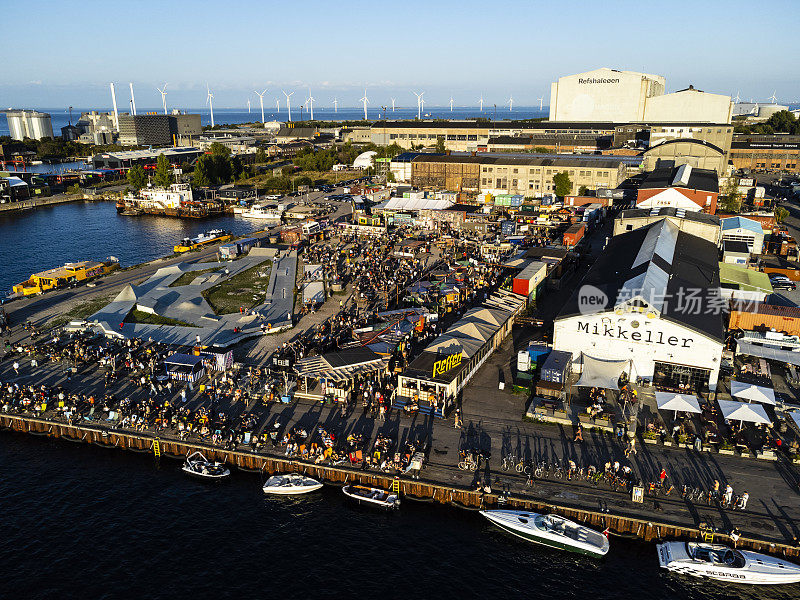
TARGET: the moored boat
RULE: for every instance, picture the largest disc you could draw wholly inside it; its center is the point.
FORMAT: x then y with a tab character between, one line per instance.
373	496
204	239
550	530
717	561
291	484
198	465
258	211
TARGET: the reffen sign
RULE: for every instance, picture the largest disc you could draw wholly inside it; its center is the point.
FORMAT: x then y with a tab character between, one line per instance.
647	337
446	364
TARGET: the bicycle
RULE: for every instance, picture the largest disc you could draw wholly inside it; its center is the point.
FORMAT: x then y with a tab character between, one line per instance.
540	470
509	462
524	466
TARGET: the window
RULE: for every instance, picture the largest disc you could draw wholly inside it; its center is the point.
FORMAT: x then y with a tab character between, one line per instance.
516	170
451	138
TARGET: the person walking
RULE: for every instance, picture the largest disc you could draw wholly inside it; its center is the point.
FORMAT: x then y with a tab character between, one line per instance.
743	501
457	418
578	434
16	367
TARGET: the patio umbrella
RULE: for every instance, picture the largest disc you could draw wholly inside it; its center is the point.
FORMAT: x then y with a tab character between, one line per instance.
751	392
742	411
677	402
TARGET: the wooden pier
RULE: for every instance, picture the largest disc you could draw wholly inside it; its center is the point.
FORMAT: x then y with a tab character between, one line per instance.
411	489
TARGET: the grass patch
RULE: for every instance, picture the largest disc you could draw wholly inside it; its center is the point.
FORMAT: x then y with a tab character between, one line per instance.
139	316
246	290
189	277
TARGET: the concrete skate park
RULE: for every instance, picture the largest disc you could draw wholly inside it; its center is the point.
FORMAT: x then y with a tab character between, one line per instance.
181	314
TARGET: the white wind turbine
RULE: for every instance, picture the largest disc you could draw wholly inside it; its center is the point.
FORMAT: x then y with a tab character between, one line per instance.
392	104
210	102
365	101
541	100
288	103
419	104
773	98
133	99
248	106
335	105
736	98
261	100
481	101
163	97
510	103
278	105
451	104
310	103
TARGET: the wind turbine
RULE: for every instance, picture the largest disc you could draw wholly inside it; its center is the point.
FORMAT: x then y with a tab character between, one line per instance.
335	105
310	103
510	103
736	98
451	104
261	100
773	98
209	101
133	100
163	97
541	100
365	101
248	106
288	103
481	101
419	104
278	105
392	104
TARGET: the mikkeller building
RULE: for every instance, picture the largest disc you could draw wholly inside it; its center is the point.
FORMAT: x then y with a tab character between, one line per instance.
651	301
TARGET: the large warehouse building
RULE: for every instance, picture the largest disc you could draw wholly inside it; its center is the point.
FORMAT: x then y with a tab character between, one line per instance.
629	97
649	306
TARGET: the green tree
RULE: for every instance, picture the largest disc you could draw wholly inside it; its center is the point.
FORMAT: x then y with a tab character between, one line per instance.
163	175
440	144
203	171
562	183
217	149
781	214
582	191
137	178
390	177
731	199
261	156
540	150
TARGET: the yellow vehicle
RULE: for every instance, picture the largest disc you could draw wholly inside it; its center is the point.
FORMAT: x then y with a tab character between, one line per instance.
63	276
204	239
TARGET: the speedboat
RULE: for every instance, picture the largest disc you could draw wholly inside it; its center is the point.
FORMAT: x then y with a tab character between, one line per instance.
286	485
198	465
550	530
717	561
375	496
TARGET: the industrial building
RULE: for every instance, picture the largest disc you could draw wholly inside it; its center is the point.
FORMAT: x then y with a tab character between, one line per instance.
30	124
685	151
126	159
699	224
682	187
631	314
144	130
777	152
742	229
528	175
628	97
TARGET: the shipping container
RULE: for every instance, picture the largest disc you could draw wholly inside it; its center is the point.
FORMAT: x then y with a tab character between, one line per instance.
557	367
574	234
538	352
758	315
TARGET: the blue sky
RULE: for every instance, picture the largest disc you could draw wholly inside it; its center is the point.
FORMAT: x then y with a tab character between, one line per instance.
66	53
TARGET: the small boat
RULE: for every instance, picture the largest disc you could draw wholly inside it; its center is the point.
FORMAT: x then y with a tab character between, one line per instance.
550	530
204	239
375	496
287	485
720	562
198	465
132	211
257	211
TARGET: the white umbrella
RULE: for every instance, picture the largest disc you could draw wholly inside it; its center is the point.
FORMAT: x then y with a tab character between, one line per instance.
677	402
742	411
750	392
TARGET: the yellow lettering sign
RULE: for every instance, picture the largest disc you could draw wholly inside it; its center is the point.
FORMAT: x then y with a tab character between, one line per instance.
443	366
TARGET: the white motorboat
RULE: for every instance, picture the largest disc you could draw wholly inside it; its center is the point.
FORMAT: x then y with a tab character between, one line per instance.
287	485
716	561
198	465
375	496
550	530
258	211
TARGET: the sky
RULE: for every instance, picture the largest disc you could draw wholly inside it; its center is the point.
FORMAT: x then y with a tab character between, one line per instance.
62	53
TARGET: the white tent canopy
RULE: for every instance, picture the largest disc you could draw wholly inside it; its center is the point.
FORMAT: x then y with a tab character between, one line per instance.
602	373
751	392
795	417
677	402
742	411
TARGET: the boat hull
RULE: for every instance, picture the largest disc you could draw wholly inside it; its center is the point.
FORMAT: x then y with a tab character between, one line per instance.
532	535
310	485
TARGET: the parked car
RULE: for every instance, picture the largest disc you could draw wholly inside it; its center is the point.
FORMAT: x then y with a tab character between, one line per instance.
780	284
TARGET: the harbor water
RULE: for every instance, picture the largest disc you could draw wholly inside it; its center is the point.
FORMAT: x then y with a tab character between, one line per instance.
109	524
47	237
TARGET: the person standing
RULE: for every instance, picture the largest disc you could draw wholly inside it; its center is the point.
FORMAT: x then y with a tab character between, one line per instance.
662	476
743	501
726	500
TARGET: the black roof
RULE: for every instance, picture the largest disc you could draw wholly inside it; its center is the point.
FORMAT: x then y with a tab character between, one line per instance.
735	246
694	266
669	211
544	252
467	208
706	180
350	356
